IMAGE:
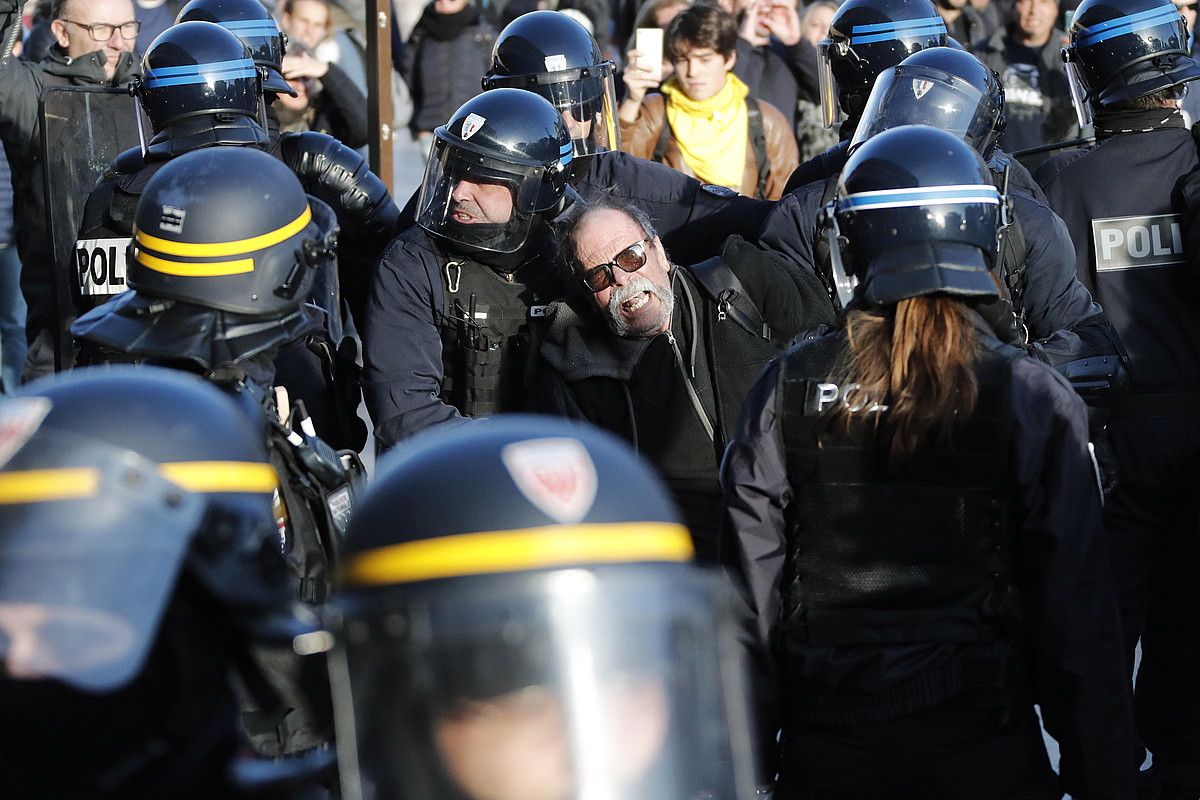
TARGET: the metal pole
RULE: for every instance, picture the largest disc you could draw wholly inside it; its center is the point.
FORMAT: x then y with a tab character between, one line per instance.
379	87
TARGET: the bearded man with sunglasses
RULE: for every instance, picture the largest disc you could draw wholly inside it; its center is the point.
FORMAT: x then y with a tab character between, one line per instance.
94	42
663	355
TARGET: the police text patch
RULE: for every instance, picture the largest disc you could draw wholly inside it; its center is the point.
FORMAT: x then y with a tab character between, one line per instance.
100	266
1133	242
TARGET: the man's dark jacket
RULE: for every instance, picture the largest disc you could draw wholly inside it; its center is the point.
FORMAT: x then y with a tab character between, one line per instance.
639	388
21	85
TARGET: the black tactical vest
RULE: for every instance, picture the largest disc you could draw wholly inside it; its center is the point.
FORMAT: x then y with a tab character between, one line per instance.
486	328
878	557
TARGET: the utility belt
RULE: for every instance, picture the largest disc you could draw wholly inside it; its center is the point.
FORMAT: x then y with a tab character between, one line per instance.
1157	405
317	488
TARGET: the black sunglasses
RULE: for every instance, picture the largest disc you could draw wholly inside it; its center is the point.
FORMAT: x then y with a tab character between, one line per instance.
631	259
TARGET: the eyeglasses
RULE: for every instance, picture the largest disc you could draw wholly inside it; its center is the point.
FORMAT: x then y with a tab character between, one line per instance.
103	31
631	259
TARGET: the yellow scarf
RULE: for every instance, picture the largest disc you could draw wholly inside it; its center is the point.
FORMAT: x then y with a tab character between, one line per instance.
711	134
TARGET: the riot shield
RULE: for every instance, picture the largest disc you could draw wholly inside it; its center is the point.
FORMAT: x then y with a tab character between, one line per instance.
83	129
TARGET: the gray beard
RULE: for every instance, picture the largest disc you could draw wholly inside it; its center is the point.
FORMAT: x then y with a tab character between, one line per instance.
636	286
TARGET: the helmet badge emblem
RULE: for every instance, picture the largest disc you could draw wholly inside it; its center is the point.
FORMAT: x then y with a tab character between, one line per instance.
556	63
921	87
556	475
19	420
171	219
471	125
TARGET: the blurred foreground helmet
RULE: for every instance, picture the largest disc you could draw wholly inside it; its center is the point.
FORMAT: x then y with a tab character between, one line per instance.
199	86
941	87
1125	49
250	22
229	235
916	214
137	544
865	38
548	638
553	55
512	151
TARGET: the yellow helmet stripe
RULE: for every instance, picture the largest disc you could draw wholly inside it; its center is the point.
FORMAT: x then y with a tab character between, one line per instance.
221	476
205	269
236	247
72	483
521	549
40	485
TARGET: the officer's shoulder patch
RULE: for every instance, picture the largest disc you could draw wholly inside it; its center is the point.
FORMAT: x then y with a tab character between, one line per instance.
20	419
717	191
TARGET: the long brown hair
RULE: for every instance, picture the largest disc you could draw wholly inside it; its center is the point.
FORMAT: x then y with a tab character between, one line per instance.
918	359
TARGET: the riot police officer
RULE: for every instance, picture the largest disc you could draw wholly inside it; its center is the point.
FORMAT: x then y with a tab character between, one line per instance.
909	501
227	247
1123	199
457	298
138	566
548	638
951	89
553	55
201	88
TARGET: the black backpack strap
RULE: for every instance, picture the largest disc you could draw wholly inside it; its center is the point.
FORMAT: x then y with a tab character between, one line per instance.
722	285
1013	251
758	141
821	253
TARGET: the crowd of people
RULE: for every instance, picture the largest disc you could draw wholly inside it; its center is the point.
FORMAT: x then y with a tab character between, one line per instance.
806	410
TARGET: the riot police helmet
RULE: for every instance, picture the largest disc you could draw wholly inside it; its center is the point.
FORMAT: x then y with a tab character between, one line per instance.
548	638
250	21
227	248
941	87
199	87
916	213
500	163
552	54
865	38
1125	49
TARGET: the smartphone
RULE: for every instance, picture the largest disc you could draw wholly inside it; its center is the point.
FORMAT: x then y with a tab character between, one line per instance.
649	42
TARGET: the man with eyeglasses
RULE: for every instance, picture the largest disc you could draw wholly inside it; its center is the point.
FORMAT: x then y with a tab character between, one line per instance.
94	42
663	355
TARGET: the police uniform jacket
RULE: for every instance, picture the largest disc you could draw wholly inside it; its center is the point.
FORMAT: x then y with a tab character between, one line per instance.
1036	446
411	329
1064	323
676	397
693	219
1121	201
21	84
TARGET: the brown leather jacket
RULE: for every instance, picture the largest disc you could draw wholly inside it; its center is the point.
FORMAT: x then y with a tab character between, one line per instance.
640	136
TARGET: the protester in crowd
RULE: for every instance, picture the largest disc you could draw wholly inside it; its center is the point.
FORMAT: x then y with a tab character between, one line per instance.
449	48
774	60
963	23
1028	57
812	136
12	303
94	42
657	14
705	123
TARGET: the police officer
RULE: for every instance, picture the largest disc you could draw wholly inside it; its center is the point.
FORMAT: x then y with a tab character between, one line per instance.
951	89
457	298
553	55
138	565
908	534
201	88
1122	200
547	638
227	248
328	169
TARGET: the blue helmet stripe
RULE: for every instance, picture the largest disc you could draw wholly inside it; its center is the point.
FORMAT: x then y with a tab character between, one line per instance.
898	25
928	196
251	27
195	69
905	34
211	76
1123	25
